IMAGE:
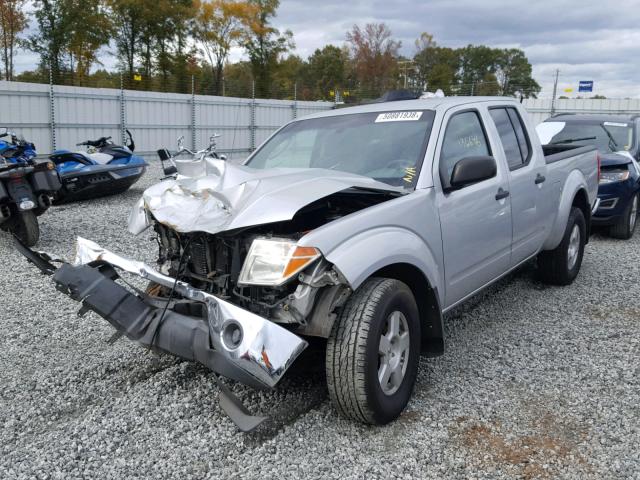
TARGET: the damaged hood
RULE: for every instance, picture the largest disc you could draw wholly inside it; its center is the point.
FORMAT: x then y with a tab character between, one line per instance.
215	196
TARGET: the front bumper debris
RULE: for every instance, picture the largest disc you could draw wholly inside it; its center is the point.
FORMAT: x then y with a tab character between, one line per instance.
229	340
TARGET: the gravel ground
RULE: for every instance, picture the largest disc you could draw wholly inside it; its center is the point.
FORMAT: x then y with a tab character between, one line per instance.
537	382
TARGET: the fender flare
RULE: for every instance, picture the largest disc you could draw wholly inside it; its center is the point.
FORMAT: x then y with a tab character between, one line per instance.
574	183
390	250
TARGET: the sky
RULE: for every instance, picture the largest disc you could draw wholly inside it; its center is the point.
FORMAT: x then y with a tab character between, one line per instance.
584	39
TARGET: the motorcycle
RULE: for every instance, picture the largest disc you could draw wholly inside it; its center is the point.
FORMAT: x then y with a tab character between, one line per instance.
167	157
103	169
27	187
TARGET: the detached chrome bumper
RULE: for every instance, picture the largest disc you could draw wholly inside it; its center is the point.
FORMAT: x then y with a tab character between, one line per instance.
230	340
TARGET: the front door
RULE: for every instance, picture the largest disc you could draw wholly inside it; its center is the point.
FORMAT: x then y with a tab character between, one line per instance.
475	220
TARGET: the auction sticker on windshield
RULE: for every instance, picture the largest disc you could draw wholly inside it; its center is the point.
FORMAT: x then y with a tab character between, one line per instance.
398	117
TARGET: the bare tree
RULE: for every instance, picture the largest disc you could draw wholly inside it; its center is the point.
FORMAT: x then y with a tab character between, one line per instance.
375	56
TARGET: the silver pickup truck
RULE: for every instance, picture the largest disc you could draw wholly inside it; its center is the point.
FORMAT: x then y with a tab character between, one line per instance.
361	226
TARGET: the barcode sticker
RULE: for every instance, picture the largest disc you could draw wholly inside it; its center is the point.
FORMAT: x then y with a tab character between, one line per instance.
398	117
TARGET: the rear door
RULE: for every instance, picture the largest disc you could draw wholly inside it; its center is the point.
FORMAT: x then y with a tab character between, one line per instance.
527	180
475	220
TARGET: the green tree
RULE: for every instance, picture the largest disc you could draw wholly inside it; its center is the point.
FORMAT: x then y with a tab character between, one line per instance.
13	21
237	79
328	70
265	44
128	20
54	19
477	64
290	71
436	66
513	73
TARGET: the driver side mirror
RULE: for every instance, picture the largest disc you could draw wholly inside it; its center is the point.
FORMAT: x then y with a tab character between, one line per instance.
471	170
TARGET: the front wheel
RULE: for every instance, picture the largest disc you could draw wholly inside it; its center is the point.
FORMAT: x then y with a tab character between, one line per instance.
25	227
561	265
625	227
373	352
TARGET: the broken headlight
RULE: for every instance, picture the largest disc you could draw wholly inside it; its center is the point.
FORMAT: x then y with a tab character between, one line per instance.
271	262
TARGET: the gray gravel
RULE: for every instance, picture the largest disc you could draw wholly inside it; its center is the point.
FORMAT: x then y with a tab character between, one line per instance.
537	382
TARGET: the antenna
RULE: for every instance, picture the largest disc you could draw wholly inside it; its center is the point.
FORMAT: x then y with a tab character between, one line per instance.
555	90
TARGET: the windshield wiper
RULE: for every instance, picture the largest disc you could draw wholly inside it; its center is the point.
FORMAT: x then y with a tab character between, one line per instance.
611	139
571	140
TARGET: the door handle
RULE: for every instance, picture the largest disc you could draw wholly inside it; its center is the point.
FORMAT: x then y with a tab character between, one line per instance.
539	179
502	193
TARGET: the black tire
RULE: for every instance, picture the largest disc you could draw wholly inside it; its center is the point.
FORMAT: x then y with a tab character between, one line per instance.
627	224
353	360
25	227
554	265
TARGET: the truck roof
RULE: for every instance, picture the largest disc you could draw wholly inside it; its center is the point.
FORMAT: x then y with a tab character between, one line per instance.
418	104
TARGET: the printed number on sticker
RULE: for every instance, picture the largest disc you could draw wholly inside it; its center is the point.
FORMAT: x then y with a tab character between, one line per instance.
398	117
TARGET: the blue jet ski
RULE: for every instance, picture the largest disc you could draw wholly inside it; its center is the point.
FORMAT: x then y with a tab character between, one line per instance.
103	169
16	150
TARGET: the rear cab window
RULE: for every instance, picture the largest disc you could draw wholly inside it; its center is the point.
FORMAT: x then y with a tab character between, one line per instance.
515	142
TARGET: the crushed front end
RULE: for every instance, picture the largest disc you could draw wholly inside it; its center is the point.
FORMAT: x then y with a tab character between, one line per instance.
191	323
234	287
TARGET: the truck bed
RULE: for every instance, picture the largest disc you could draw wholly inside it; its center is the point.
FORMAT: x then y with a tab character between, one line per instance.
556	152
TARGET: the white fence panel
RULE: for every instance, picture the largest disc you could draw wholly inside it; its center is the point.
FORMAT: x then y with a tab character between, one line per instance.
540	108
63	116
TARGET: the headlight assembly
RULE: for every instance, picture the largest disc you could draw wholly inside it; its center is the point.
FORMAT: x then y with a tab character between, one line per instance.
271	262
610	176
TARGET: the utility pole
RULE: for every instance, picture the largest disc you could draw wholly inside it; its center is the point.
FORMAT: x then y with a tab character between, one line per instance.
404	66
555	90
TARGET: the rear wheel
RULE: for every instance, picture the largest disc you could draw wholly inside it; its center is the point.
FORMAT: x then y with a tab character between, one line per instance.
373	352
25	227
627	224
561	265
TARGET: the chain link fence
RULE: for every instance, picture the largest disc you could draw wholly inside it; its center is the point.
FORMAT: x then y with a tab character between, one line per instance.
246	87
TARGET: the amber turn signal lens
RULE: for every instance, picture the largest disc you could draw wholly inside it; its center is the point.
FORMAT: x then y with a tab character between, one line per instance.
301	257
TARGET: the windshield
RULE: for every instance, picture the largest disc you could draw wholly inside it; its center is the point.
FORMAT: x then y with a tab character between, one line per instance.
386	146
607	136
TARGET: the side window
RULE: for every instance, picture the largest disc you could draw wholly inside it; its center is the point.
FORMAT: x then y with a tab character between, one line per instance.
464	137
521	133
515	141
508	137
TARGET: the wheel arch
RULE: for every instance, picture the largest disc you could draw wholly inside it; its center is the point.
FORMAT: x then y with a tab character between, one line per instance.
573	194
581	201
426	297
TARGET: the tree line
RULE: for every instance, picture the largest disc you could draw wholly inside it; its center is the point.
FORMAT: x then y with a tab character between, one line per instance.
164	44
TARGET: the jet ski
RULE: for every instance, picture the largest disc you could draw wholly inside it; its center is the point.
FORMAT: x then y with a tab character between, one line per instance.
103	169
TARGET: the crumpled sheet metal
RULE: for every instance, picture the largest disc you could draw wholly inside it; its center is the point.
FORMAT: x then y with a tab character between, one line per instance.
266	350
219	196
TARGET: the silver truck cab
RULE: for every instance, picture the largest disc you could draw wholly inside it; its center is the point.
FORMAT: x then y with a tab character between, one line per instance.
361	225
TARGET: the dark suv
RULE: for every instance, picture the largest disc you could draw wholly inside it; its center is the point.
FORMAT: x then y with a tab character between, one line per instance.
616	137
